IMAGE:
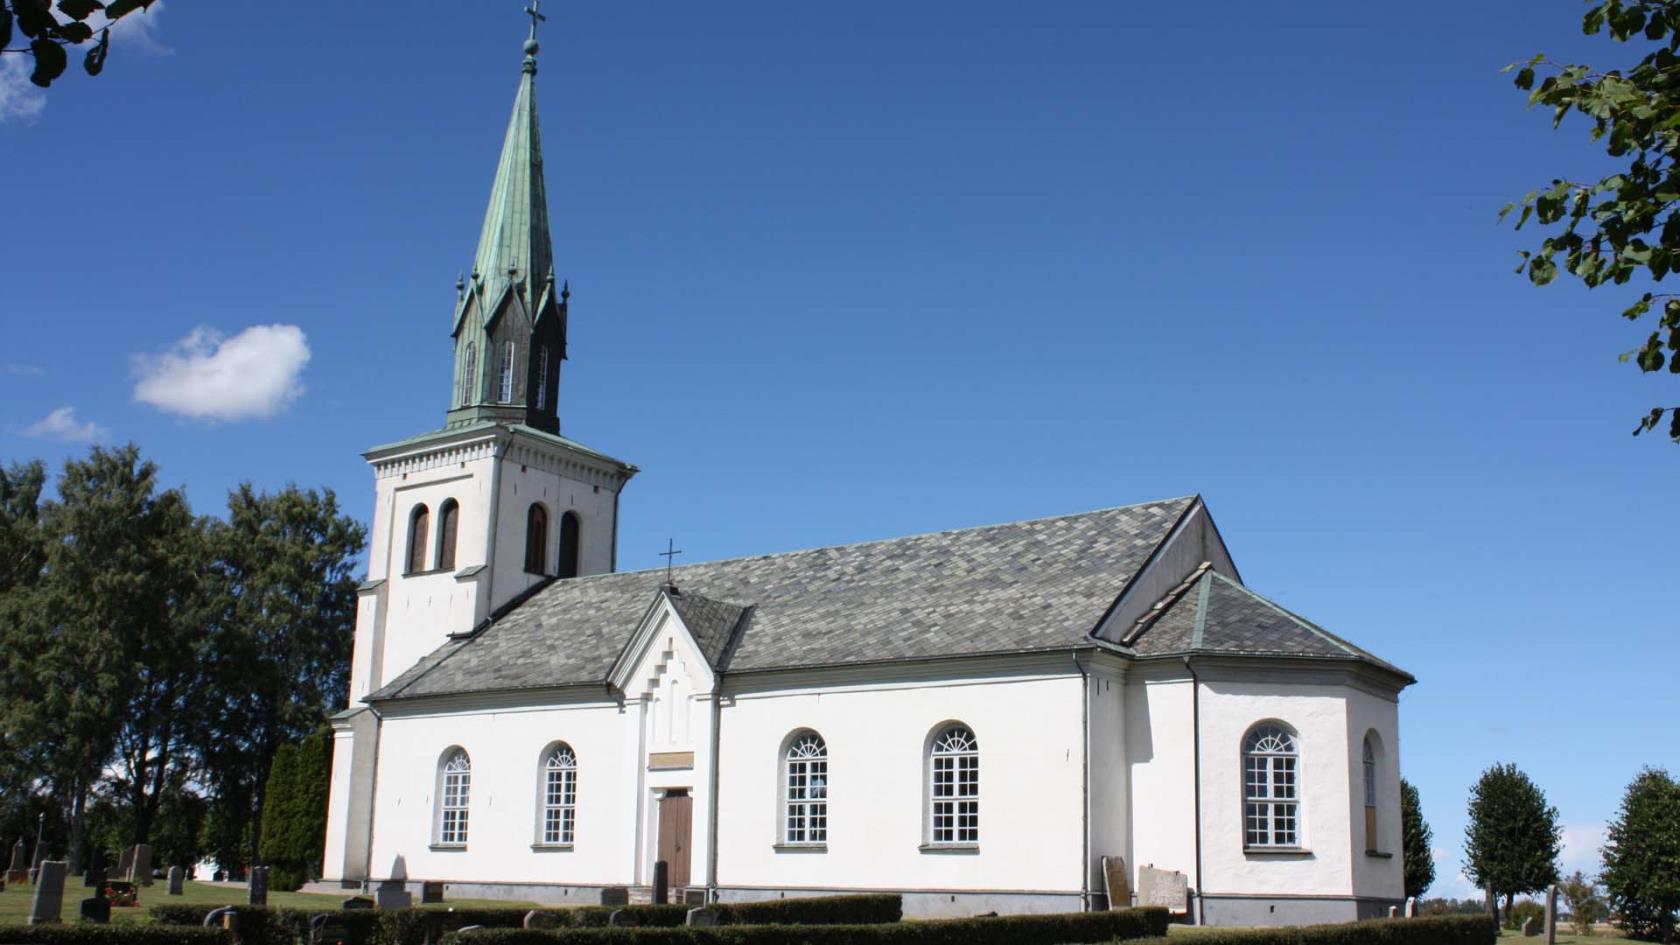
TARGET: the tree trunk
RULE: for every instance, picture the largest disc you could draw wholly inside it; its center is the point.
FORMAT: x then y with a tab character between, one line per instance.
78	804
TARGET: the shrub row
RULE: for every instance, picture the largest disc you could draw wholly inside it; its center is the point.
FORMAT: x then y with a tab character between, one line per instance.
272	925
1066	929
868	909
1424	930
137	934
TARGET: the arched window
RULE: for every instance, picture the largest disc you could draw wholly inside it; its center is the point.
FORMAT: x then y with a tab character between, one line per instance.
559	805
1271	795
449	517
1370	768
536	539
570	538
419	522
805	775
469	374
954	787
504	388
453	795
542	377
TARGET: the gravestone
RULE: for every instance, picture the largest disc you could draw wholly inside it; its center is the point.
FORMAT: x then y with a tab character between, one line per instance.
1530	928
325	929
356	902
258	895
693	897
18	871
1491	904
702	917
49	893
142	873
1394	912
615	896
1551	914
225	917
1411	907
1116	883
177	880
1168	888
431	892
661	882
540	920
392	895
125	865
96	908
622	919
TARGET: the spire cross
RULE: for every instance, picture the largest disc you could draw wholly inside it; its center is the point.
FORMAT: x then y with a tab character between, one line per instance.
535	16
670	552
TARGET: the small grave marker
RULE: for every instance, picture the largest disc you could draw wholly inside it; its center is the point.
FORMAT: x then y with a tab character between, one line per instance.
177	880
258	895
48	905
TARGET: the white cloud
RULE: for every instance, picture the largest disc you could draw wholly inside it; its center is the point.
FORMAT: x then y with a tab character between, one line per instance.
1450	881
61	425
20	99
1581	845
21	370
207	376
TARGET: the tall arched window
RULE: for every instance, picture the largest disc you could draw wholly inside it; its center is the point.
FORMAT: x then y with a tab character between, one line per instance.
570	539
542	377
453	796
1370	769
1271	795
559	806
504	386
449	518
954	787
469	374
805	776
419	522
536	539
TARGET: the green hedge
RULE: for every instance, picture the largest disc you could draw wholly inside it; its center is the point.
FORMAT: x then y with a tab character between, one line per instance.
1424	930
869	909
272	925
1066	929
67	934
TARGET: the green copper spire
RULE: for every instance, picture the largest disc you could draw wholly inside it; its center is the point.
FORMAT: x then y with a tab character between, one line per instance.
510	322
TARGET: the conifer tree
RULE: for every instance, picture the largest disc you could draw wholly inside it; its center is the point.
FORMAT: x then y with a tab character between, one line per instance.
1415	842
1642	857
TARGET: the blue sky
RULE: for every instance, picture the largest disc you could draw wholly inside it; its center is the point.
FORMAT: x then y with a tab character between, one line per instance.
872	269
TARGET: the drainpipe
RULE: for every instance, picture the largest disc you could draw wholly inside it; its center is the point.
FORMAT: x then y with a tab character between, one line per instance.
712	845
1196	748
1085	783
373	798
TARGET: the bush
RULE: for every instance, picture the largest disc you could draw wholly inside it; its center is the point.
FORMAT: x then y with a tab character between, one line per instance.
1424	930
1065	929
419	926
269	925
872	909
1523	910
152	934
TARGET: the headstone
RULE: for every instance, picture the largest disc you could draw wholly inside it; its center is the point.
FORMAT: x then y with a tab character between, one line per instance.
431	892
96	909
703	917
661	882
142	864
325	929
1168	888
258	895
1530	928
692	897
356	902
18	871
392	895
620	918
225	917
125	864
1492	903
1394	912
1551	914
1411	907
177	880
1116	883
538	919
615	896
49	893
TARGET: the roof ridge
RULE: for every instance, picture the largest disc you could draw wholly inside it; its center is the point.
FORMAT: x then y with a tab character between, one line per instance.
878	541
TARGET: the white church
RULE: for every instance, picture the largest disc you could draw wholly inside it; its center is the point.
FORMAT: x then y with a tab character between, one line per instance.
973	718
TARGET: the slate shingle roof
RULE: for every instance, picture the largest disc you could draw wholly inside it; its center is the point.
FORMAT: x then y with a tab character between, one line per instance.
1035	585
1215	615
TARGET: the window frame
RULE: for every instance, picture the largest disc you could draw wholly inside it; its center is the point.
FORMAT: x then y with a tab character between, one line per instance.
504	377
558	810
542	377
419	531
1370	759
806	798
1271	800
469	374
950	806
453	780
570	553
448	532
536	544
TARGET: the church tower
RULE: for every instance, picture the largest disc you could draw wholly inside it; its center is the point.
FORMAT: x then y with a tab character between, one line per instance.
471	518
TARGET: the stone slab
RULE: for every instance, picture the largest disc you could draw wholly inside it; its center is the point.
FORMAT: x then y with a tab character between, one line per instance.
1168	888
1116	883
48	905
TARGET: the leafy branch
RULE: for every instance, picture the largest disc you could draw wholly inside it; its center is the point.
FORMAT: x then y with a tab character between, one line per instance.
50	27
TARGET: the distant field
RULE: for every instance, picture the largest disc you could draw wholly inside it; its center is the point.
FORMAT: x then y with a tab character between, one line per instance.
14	902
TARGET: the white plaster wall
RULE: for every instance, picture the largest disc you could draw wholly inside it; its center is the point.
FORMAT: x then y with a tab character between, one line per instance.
1110	794
521	486
507	748
338	800
1028	731
1158	742
1375	876
1318	714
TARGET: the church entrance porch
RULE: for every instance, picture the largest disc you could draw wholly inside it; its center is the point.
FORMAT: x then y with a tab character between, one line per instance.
676	826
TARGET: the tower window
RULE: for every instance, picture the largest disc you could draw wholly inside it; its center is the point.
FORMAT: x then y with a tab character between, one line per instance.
469	372
419	522
449	515
504	390
542	381
570	540
536	540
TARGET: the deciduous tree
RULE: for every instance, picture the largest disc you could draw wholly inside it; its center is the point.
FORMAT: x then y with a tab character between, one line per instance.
1511	843
1642	857
45	29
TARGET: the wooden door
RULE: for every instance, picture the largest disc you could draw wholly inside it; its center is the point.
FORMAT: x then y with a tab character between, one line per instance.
676	822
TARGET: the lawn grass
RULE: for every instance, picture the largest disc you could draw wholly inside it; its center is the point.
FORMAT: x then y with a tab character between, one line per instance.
15	901
1602	935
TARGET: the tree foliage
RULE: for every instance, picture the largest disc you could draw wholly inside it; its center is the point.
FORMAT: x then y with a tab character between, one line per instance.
294	817
1511	843
1642	857
1586	906
49	27
1623	225
1416	838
